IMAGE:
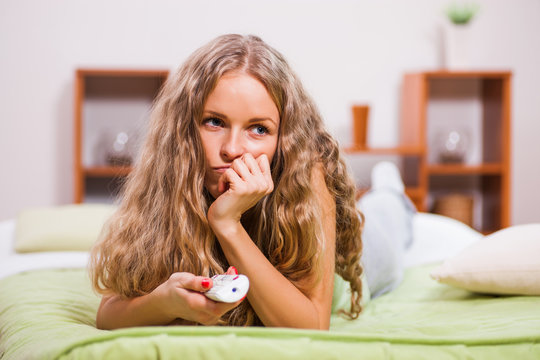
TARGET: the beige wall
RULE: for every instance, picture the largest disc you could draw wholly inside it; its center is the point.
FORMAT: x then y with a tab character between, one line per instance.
345	51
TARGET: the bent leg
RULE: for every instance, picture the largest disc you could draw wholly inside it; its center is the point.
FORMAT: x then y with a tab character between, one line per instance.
387	229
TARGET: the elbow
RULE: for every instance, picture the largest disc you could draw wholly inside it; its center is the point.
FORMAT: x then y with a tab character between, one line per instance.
100	323
321	320
324	324
320	324
103	322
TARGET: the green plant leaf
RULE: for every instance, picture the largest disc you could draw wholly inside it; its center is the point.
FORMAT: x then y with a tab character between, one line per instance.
461	13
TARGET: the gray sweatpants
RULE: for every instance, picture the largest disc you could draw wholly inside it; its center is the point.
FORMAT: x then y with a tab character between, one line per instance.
387	233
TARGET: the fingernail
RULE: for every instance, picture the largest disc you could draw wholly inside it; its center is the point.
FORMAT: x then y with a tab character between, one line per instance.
205	283
234	269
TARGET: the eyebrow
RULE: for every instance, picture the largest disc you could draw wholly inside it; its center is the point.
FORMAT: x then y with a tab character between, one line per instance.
253	120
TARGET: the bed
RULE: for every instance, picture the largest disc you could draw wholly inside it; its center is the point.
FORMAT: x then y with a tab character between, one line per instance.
47	311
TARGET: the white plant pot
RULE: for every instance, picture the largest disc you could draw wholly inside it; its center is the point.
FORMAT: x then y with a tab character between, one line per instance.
457	47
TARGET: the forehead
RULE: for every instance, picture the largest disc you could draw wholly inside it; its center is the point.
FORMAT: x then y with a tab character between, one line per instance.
238	84
241	94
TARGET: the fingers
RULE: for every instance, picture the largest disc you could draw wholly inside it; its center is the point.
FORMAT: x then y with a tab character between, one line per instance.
247	167
255	171
241	169
232	271
195	306
252	164
189	281
264	165
247	170
215	310
229	177
206	311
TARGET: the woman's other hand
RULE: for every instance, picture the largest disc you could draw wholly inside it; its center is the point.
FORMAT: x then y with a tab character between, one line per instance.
246	182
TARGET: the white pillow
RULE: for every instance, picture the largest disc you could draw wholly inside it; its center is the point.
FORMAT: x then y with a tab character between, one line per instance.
60	228
437	238
505	262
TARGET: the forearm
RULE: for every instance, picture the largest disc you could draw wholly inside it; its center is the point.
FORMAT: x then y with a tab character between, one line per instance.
277	301
115	312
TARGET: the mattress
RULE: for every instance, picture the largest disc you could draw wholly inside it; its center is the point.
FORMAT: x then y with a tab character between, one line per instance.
50	314
48	310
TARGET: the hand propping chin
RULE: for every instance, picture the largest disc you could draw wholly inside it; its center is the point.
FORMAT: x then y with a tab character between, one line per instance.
246	182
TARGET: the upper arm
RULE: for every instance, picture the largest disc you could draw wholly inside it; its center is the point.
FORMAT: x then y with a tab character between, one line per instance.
321	293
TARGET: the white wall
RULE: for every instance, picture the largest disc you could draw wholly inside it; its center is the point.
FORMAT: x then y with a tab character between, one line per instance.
345	51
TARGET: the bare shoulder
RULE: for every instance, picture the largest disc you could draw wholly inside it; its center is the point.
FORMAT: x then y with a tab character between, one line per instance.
320	188
318	174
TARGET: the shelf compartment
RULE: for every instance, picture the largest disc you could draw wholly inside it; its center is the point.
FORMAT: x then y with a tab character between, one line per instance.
485	189
473	104
104	190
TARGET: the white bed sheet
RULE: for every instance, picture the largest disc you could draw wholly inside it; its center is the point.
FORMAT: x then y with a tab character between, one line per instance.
12	263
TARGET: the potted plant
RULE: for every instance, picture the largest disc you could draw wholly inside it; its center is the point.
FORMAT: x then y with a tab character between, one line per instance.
457	47
461	13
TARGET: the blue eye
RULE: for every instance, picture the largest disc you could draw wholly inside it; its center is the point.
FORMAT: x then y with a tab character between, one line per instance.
260	130
214	122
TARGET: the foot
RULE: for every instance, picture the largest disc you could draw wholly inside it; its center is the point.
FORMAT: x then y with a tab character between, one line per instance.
385	175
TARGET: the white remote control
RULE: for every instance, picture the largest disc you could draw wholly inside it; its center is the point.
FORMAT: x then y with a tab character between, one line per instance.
228	288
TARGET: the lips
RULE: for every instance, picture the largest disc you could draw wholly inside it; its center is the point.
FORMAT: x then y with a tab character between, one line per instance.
221	169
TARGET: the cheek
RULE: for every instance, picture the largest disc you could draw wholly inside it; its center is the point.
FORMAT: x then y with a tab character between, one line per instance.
206	142
267	147
272	151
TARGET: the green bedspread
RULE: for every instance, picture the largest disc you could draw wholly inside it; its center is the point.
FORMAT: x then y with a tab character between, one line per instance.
50	315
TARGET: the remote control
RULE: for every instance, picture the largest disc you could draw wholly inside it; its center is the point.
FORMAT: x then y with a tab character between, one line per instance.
228	288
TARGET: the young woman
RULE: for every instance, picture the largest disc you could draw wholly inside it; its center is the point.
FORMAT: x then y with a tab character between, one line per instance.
237	174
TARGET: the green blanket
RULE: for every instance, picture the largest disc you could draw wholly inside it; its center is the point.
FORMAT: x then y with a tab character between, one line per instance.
51	315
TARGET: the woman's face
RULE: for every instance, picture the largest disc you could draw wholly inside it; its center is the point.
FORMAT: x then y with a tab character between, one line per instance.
239	117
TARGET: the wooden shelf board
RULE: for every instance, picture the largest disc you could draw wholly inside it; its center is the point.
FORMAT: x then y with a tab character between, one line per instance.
445	74
398	150
123	72
415	192
107	171
460	169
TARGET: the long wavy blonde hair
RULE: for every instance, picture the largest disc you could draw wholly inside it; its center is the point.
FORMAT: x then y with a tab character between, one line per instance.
161	227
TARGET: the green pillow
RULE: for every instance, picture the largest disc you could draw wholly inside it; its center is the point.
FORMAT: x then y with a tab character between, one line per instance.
61	228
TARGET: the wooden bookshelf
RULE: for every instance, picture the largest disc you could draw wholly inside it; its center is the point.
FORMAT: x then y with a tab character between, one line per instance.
435	99
108	101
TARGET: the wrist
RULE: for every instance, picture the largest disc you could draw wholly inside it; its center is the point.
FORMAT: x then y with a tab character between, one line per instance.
226	228
158	300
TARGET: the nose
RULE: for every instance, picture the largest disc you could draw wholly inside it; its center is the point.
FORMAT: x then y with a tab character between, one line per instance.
233	146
